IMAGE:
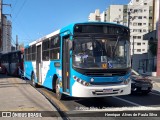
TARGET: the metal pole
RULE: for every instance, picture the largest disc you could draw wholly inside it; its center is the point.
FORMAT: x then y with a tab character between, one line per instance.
129	13
16	42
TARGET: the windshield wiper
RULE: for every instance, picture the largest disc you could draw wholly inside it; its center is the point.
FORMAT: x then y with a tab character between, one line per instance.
115	46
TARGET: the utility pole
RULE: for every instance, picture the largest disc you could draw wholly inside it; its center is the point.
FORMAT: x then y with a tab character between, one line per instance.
129	13
16	42
1	27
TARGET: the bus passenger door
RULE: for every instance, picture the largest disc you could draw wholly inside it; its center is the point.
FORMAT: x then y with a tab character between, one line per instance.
38	64
65	64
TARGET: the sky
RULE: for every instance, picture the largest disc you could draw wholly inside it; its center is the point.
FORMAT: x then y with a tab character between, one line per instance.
33	19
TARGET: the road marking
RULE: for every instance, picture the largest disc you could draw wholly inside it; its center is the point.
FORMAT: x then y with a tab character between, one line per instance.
127	101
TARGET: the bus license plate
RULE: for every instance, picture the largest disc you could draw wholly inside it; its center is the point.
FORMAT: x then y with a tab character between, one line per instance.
144	88
108	90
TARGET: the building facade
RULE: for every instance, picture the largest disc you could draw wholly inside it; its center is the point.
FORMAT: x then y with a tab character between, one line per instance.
6	35
138	15
95	16
140	22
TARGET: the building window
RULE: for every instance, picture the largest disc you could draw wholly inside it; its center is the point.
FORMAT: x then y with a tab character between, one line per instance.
143	49
125	10
138	50
145	17
139	37
134	24
137	0
139	24
134	37
145	3
138	43
144	43
144	30
139	30
130	10
139	17
145	10
144	23
140	10
134	30
135	10
150	17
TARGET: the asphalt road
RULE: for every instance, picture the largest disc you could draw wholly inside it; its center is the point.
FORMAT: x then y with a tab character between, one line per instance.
92	108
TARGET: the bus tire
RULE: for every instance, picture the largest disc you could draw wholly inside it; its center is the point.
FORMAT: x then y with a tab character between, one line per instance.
33	80
59	95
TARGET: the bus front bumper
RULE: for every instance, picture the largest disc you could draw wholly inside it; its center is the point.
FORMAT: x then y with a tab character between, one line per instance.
79	90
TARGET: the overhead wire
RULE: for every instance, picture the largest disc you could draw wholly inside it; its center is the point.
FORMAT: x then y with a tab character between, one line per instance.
19	11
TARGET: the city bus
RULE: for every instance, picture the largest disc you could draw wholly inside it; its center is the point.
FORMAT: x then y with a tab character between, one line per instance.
90	59
12	62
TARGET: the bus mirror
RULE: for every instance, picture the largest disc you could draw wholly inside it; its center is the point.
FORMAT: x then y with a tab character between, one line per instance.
70	44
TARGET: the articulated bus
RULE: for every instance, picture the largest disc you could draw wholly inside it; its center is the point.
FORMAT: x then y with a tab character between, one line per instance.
11	62
90	59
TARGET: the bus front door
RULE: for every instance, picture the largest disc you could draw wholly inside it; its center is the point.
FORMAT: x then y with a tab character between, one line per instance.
66	65
38	64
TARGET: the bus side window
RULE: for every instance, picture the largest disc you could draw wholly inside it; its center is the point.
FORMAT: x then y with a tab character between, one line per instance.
55	48
45	50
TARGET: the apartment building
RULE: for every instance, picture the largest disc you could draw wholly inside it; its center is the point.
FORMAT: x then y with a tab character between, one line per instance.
6	35
95	16
141	22
137	15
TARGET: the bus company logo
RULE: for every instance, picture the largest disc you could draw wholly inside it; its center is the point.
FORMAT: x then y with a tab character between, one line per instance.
6	114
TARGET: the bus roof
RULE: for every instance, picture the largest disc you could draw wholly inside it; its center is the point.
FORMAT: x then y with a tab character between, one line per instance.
69	27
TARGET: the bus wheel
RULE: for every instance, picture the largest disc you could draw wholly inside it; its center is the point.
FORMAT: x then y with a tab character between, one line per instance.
33	80
59	95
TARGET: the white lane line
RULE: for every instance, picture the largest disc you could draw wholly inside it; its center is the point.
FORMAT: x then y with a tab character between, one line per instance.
127	101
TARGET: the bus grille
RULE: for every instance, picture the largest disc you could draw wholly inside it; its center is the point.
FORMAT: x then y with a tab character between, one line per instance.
105	83
100	92
105	74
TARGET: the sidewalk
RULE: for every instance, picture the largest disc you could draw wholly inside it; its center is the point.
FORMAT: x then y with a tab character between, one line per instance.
17	95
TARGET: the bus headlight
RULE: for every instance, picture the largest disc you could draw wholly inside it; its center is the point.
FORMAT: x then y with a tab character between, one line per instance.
82	82
126	81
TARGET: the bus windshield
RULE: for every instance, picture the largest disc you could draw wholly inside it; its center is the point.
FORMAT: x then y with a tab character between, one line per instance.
101	53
